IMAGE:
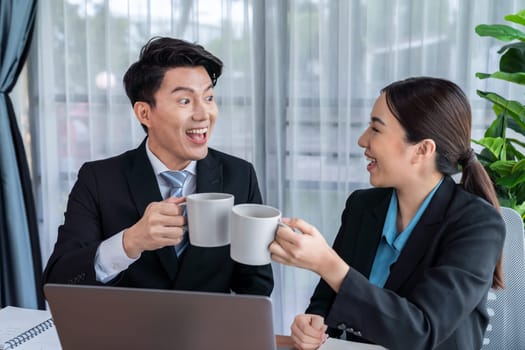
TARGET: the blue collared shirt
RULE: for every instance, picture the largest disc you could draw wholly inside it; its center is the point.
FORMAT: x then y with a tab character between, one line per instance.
392	243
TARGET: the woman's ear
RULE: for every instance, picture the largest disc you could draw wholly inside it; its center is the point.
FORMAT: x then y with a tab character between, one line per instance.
426	149
142	113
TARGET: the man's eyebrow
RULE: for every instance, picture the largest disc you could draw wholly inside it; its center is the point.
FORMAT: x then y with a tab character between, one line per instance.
378	120
184	88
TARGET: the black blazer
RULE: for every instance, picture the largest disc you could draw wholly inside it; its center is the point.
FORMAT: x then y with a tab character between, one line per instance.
112	194
435	295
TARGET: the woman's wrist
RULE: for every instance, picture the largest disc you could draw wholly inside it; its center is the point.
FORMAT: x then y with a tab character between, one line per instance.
333	270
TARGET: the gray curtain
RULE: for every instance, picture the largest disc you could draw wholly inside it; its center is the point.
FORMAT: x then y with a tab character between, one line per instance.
20	258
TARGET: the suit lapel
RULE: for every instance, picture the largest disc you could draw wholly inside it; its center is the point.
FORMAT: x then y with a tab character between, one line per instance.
142	180
368	240
144	190
417	245
209	174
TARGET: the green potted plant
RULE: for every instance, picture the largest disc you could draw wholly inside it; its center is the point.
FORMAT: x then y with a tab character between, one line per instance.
502	154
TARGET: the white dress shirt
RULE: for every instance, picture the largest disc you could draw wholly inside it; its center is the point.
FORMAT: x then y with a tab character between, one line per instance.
110	258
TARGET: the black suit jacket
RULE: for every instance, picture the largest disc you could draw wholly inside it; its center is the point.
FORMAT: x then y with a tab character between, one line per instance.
112	194
436	293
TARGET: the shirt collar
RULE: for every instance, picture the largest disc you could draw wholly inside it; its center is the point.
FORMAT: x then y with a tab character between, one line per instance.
159	166
390	228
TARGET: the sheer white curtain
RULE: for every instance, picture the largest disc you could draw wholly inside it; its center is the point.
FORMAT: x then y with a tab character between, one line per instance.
299	82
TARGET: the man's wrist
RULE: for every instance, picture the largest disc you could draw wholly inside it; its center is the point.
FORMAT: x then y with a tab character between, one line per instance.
130	249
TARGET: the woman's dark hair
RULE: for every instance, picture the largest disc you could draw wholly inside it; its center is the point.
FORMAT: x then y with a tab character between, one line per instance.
437	109
144	77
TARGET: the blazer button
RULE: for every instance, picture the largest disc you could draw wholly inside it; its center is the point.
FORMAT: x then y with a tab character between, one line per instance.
341	326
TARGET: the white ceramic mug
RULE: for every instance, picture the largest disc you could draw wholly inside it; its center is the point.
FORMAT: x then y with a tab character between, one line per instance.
209	217
253	229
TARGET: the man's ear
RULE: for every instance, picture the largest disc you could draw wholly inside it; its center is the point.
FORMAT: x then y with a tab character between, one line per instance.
142	113
426	149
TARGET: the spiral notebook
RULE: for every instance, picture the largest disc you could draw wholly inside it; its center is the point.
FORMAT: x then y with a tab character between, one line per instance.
27	329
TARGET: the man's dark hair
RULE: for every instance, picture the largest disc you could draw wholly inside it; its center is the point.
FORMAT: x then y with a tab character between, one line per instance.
144	77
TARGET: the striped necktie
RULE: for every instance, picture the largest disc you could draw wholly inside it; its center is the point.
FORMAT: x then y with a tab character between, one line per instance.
176	181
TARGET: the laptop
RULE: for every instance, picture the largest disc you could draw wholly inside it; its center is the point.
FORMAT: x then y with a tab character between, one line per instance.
100	317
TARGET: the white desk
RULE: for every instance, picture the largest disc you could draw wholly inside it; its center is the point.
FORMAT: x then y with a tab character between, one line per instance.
285	342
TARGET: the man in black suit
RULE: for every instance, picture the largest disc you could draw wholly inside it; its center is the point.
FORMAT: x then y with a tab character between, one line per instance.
122	227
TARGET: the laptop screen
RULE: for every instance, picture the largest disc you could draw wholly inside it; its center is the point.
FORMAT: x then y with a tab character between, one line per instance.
99	317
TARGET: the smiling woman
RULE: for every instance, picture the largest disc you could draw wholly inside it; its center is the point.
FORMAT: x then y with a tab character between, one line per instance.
418	245
385	138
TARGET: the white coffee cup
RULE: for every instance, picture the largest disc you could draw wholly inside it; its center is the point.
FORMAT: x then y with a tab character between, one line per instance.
253	229
209	217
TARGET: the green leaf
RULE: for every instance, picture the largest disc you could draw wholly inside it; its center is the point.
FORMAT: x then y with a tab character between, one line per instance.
498	127
501	32
515	109
519	166
483	75
507	202
512	152
513	61
518	18
485	156
494	144
511	180
518	78
520	193
503	167
517	45
520	209
518	127
516	141
512	172
498	110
